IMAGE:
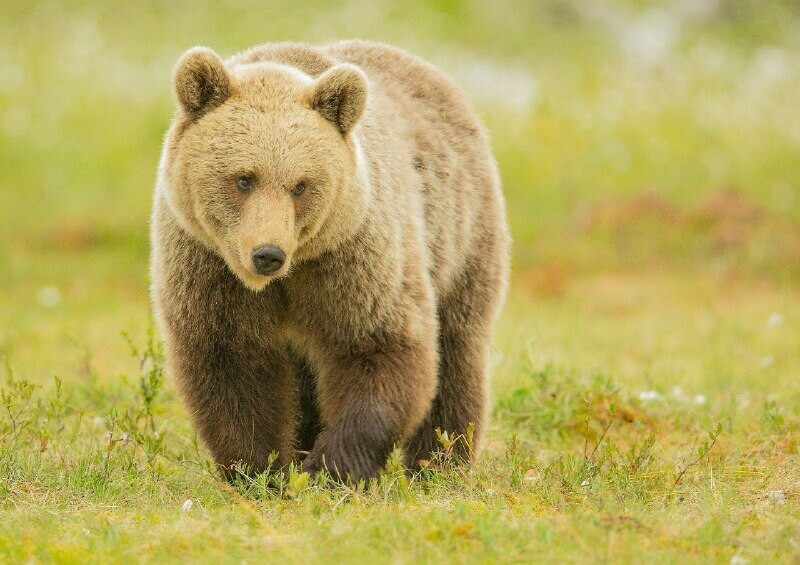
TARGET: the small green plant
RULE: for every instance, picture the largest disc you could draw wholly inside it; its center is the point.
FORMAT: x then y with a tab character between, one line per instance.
15	399
773	417
702	451
151	366
134	425
289	482
53	412
455	448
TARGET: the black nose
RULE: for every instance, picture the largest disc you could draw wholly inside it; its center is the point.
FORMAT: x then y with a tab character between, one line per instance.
267	259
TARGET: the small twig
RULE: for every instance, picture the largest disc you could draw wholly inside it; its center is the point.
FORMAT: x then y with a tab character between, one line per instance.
600	439
699	458
586	431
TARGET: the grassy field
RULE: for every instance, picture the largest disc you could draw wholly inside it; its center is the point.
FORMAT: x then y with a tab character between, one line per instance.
646	377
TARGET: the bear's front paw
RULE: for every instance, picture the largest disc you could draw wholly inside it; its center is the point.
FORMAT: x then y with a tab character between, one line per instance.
344	462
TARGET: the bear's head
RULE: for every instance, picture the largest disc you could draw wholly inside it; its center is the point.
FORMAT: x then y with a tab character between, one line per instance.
261	163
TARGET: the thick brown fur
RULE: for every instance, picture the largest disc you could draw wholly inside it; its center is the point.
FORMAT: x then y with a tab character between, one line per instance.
377	329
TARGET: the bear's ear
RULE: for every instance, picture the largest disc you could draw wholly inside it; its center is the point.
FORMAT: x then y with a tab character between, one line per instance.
200	81
340	95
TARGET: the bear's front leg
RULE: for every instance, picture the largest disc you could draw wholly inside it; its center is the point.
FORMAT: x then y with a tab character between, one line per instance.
243	403
369	402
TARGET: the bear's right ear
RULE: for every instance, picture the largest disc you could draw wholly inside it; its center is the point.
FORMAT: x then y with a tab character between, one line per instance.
340	95
200	81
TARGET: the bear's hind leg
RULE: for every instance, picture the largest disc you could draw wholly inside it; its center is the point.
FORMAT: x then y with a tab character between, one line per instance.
466	319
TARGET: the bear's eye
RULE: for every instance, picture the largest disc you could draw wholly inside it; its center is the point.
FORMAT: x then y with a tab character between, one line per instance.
245	184
299	189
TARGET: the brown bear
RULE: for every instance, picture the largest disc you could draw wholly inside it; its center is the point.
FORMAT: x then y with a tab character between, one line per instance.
329	255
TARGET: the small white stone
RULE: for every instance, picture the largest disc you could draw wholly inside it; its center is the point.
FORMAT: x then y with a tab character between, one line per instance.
776	496
187	505
585	484
49	296
739	559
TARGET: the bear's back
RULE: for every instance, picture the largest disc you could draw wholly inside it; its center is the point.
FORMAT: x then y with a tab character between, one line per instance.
407	79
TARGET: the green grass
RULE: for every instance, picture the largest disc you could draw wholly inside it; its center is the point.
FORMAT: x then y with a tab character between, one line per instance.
646	391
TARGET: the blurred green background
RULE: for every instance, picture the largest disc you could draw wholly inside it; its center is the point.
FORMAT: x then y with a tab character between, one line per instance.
632	137
650	155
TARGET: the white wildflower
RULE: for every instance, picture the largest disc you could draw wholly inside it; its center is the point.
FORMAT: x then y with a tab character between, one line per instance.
766	361
648	40
647	395
699	399
677	392
585	484
775	319
49	296
187	505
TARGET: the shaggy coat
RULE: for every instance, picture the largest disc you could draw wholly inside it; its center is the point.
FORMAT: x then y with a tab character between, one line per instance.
367	178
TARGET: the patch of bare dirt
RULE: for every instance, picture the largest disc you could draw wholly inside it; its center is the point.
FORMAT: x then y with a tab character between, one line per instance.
620	213
550	279
725	222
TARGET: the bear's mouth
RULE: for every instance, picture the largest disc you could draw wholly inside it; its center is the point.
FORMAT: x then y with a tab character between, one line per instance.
248	274
254	281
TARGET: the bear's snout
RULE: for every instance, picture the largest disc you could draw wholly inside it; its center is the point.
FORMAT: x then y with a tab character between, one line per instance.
268	259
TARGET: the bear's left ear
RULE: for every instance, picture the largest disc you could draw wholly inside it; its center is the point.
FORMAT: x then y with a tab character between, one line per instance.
340	95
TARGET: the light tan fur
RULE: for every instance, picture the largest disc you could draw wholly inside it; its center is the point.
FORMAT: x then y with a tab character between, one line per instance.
376	329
